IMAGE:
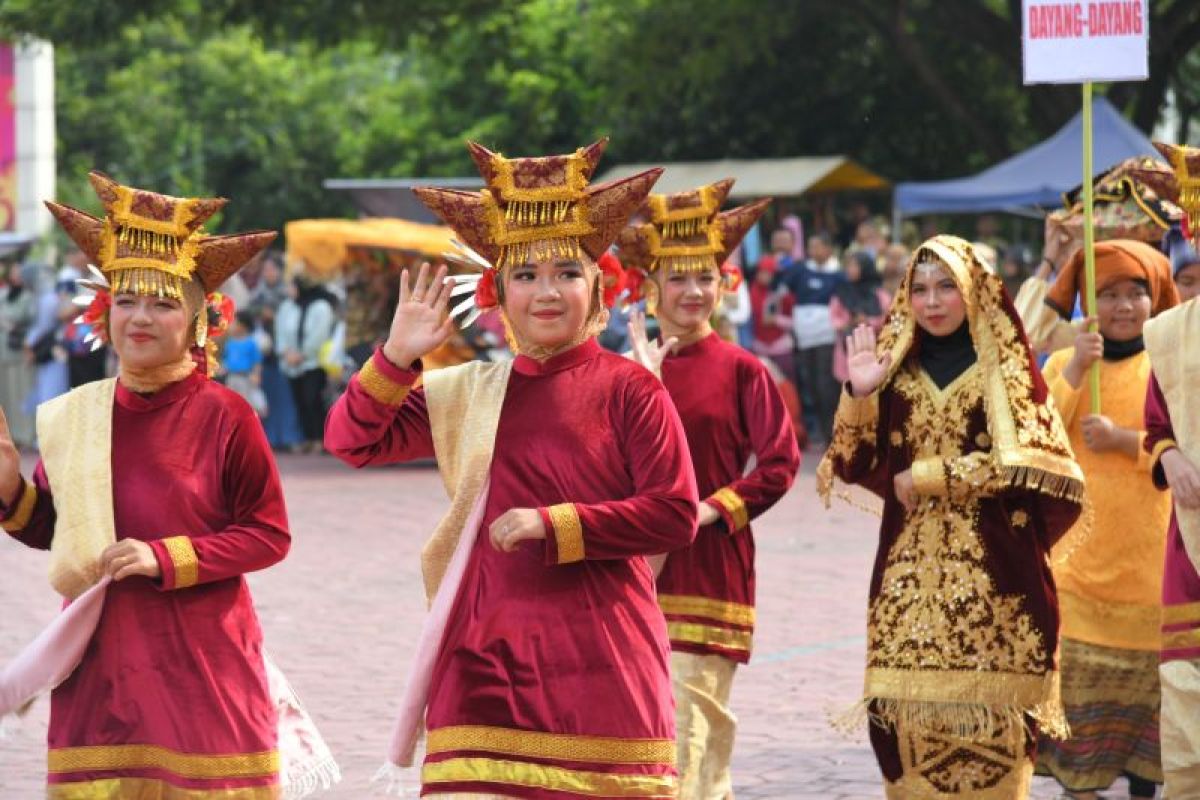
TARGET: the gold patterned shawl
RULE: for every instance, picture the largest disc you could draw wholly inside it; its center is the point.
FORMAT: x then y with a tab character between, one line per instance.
1030	444
75	436
1173	343
464	405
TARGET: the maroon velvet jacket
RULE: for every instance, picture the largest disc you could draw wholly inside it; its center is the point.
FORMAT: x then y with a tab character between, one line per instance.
175	667
550	654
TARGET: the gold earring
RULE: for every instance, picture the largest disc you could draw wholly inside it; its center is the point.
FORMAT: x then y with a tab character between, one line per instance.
201	328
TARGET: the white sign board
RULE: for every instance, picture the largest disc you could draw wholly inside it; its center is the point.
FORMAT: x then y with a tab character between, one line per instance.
1079	42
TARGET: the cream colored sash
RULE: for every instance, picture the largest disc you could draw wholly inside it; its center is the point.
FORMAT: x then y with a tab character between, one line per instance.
75	436
464	412
1173	342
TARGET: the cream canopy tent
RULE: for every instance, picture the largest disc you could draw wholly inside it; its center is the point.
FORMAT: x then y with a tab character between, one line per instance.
762	177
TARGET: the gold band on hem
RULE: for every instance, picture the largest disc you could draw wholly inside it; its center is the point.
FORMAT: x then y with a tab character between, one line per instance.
929	477
541	776
1181	640
380	386
997	689
183	558
709	635
554	746
1109	624
568	532
23	510
719	610
97	758
1181	614
734	505
153	789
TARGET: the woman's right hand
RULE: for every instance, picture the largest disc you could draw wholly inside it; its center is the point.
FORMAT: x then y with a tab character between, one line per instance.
421	322
10	464
867	370
645	352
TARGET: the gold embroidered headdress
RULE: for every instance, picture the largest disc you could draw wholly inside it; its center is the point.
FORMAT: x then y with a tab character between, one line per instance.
687	231
536	209
153	244
1181	186
1029	443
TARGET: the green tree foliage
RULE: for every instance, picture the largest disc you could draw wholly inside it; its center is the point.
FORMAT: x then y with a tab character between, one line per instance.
262	101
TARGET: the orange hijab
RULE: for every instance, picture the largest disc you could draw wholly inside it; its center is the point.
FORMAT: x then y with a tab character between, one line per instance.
1116	260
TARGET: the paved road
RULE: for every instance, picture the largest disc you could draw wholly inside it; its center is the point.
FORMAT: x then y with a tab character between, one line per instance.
341	615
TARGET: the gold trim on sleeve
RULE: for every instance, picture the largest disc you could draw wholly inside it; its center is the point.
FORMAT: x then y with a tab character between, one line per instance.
541	776
183	558
858	411
552	746
719	610
1162	446
709	636
380	386
734	505
100	758
24	509
929	477
568	532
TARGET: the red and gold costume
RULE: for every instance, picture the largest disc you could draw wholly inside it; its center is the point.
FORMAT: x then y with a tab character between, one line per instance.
733	416
172	698
962	622
550	679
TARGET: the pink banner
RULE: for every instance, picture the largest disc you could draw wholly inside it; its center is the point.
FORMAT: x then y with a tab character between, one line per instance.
8	140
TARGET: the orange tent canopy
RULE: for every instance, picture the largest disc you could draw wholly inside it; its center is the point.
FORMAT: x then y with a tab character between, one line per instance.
323	244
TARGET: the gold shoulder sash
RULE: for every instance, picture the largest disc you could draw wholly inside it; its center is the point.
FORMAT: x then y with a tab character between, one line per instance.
464	412
1172	343
75	436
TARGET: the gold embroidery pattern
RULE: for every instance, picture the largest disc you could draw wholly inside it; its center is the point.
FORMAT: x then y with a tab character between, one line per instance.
568	532
152	789
380	386
145	756
23	511
1181	640
941	764
938	608
552	746
896	438
183	558
734	505
709	635
540	776
1019	518
719	610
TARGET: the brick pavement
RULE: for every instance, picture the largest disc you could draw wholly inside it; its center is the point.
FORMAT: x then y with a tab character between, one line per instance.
342	613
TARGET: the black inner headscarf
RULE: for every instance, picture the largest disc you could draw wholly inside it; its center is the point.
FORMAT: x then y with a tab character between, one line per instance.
861	296
944	358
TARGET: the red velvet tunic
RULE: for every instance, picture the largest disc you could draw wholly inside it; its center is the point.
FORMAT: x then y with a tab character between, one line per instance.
172	690
732	414
1181	583
533	646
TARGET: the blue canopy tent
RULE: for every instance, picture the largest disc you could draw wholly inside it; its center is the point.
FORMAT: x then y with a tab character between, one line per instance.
1036	177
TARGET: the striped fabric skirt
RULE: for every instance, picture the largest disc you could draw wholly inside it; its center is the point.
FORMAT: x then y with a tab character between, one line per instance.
1112	698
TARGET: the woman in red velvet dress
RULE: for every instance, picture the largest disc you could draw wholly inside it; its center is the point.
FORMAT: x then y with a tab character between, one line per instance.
547	673
744	453
161	481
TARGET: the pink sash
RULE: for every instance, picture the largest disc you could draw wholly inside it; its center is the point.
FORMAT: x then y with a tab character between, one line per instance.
413	702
